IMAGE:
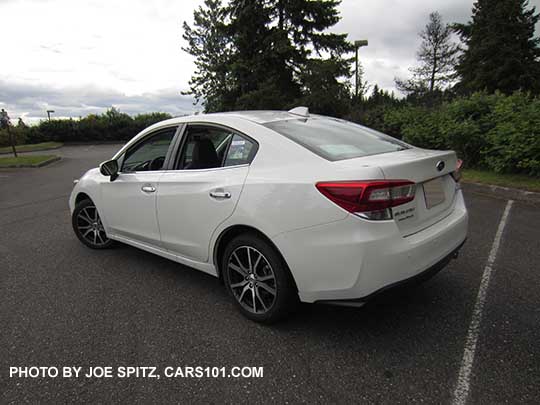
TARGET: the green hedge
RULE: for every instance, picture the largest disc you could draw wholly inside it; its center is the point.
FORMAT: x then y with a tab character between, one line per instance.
110	126
496	132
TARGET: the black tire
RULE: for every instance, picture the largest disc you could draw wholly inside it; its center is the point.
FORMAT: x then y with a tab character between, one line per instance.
87	226
269	273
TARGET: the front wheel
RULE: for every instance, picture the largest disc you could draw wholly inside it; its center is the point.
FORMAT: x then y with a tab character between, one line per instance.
258	279
88	227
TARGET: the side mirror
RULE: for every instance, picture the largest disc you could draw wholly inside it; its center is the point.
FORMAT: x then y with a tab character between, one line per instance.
109	168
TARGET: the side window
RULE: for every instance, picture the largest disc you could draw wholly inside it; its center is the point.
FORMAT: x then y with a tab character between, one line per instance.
204	147
241	151
149	155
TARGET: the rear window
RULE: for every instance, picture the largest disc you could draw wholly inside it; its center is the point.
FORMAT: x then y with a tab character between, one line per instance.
335	139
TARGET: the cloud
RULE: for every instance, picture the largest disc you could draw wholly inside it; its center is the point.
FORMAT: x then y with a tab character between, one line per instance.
31	101
80	57
392	28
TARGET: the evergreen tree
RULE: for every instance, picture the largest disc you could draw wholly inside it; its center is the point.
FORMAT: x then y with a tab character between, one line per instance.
317	58
21	123
269	54
363	85
502	52
263	79
381	97
437	60
208	42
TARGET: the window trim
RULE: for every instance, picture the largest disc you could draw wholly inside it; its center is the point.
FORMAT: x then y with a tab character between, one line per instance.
179	147
229	142
143	139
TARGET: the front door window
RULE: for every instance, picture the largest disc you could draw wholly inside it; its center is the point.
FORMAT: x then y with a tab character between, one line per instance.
149	155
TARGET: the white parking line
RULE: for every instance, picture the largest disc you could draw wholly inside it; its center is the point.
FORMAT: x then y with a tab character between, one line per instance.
463	384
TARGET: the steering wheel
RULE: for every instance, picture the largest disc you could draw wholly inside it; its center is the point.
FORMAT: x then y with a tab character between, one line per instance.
143	166
157	163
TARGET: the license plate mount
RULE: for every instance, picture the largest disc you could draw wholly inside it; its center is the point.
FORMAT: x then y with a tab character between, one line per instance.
433	192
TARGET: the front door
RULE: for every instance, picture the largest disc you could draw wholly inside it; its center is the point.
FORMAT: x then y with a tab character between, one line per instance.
204	188
130	200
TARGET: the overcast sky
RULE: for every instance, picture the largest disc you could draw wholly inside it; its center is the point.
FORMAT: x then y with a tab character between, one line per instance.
80	57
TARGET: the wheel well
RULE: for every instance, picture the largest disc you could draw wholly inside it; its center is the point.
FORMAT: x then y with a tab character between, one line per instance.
81	197
232	232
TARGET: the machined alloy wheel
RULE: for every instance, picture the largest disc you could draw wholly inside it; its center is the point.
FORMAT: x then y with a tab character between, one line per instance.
253	282
258	278
88	226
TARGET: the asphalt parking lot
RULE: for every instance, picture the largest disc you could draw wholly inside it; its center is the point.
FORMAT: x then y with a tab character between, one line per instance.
63	304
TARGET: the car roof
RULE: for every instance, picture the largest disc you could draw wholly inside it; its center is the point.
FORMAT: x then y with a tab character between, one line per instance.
256	116
260	116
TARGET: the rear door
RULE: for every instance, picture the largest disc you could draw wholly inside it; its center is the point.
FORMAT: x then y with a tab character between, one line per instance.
203	188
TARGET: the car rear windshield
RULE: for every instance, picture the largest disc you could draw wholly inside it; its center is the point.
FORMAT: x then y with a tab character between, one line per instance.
335	139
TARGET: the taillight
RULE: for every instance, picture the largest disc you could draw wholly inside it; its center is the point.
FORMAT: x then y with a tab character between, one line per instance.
456	174
371	199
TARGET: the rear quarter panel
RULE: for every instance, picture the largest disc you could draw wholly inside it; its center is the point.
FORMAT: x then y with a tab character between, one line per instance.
279	194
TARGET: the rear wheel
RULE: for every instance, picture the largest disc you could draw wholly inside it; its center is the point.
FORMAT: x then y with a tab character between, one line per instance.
88	226
258	279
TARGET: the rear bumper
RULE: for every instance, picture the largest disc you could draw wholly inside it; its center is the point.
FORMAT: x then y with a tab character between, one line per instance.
353	258
417	279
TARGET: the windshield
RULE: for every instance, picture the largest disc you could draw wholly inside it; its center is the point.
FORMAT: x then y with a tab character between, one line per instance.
335	139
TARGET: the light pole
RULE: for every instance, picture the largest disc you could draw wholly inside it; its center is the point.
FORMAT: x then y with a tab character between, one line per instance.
358	44
49	112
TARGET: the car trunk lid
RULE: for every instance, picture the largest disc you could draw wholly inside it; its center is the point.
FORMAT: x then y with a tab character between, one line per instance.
430	171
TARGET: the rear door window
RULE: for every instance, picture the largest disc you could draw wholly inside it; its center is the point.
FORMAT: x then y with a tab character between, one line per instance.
335	139
209	147
204	147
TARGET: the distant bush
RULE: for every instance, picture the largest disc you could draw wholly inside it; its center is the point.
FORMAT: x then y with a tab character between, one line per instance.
498	132
20	135
110	126
513	144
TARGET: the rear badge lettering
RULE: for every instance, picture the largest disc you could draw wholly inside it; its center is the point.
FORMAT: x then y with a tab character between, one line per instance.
404	214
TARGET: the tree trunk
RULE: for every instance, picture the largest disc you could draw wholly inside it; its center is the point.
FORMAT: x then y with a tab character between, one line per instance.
280	15
433	71
12	141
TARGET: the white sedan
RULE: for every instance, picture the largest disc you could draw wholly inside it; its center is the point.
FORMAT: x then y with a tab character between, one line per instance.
281	206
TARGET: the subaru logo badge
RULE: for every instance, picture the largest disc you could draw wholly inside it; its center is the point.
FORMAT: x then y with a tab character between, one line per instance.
440	165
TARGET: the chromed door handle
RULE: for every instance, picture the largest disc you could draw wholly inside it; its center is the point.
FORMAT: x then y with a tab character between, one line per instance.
220	194
148	189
